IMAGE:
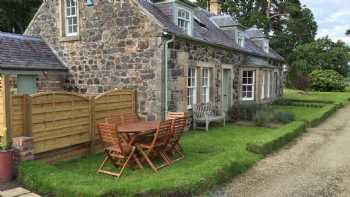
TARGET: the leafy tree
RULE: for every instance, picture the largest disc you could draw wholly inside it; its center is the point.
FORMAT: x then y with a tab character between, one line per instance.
15	15
320	54
347	32
289	23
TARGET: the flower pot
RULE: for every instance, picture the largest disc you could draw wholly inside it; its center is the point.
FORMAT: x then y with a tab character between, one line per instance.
6	165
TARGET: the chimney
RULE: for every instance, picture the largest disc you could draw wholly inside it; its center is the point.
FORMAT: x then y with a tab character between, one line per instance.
214	6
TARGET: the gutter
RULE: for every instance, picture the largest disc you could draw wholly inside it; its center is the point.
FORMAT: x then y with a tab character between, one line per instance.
166	46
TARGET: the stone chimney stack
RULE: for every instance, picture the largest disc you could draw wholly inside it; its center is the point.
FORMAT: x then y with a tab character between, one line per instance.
214	6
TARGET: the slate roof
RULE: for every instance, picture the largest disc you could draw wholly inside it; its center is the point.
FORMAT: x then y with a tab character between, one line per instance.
205	30
254	32
19	52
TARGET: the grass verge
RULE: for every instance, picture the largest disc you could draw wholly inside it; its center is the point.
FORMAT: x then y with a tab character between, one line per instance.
211	158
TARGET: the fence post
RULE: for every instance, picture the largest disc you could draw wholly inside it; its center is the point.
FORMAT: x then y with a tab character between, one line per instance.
92	123
7	108
28	115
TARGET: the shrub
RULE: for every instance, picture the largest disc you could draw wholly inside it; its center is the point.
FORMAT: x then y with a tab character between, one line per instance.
327	81
284	117
262	118
245	111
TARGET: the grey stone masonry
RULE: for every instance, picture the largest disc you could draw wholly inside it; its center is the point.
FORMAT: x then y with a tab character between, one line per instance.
118	46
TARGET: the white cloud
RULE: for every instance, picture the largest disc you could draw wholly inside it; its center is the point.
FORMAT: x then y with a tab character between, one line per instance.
332	17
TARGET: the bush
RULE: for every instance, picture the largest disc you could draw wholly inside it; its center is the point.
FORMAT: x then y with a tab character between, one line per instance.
327	81
262	118
245	111
284	117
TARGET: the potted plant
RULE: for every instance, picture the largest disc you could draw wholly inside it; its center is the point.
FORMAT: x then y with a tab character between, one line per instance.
6	161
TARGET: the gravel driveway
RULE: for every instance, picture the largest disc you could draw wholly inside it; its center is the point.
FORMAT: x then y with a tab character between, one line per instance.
317	164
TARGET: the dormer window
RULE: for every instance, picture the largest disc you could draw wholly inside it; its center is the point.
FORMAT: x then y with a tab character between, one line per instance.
240	38
266	46
184	20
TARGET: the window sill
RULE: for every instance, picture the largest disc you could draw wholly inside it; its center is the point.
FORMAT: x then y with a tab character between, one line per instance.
70	38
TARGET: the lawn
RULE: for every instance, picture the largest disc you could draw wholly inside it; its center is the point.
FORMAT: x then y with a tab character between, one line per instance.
333	97
212	158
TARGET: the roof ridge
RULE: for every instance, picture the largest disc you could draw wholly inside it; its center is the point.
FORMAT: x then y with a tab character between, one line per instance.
19	36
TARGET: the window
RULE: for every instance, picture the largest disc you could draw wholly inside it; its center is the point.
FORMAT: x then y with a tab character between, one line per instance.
184	20
266	46
205	85
240	38
191	87
71	18
248	81
276	83
263	84
268	84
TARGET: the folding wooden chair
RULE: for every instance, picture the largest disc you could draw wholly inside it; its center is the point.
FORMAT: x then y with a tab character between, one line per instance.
155	145
173	115
174	147
117	151
130	117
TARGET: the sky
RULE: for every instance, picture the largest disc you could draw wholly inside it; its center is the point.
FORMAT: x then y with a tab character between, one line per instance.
332	16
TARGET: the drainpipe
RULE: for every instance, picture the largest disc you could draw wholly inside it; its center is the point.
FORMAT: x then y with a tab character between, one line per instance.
166	46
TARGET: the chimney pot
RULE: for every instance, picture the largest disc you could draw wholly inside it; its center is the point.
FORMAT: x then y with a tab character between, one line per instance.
214	7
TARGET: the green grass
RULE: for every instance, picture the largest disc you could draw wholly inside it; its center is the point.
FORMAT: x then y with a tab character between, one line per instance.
332	97
211	158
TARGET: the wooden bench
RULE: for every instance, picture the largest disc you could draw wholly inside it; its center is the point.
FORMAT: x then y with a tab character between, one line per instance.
205	113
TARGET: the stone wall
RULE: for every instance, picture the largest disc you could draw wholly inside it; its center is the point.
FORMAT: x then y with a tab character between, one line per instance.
118	46
188	53
184	54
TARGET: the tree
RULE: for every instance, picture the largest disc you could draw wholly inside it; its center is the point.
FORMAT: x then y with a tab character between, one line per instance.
320	54
15	15
289	23
347	32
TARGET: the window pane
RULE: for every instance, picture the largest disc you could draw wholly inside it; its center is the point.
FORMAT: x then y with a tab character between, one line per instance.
249	94
75	28
245	81
250	80
75	20
249	88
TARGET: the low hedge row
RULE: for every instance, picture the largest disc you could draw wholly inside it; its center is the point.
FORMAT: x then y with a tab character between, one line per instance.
266	146
290	131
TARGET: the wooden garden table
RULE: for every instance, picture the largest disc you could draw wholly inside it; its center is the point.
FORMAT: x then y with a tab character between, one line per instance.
136	129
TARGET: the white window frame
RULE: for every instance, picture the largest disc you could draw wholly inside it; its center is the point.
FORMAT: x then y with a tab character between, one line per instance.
268	84
184	19
263	83
240	38
71	17
192	78
205	85
247	85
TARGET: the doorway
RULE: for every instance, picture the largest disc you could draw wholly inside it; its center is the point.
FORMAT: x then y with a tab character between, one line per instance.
226	89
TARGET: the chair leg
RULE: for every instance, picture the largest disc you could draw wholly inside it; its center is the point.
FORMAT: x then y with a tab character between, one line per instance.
147	159
139	164
206	125
103	164
126	162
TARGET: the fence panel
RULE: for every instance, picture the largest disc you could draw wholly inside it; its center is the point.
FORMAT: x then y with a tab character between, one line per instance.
59	120
112	102
2	108
18	112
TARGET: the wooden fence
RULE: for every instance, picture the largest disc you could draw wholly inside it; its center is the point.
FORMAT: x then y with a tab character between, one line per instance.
63	124
3	89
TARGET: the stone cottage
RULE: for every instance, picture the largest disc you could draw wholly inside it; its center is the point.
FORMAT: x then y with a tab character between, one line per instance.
172	52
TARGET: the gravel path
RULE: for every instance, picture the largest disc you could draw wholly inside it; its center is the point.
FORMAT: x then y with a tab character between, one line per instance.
316	165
